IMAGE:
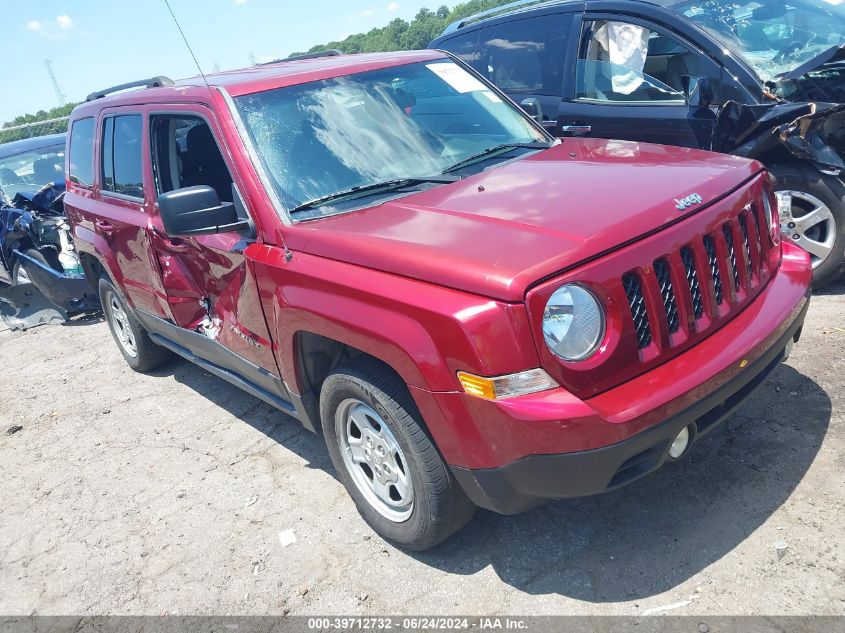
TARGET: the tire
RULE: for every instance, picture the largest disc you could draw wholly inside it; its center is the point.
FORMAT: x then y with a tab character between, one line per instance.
366	396
816	195
19	276
132	339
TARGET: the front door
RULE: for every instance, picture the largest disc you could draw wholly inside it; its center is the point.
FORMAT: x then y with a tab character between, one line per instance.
630	84
209	288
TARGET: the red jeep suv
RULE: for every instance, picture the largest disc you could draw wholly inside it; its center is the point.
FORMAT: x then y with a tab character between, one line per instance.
388	249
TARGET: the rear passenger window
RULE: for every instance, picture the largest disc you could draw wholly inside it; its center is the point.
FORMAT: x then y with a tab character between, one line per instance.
82	152
521	56
122	173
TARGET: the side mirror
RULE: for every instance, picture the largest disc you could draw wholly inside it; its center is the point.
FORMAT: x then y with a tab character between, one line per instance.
699	92
198	211
532	108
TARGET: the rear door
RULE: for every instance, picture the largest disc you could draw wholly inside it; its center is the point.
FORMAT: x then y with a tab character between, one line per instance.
523	57
108	203
629	84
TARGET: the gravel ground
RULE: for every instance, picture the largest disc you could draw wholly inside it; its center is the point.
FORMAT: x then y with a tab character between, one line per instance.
167	493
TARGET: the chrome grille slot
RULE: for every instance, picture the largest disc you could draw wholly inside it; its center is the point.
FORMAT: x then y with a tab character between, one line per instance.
729	243
743	227
713	260
692	279
636	301
670	302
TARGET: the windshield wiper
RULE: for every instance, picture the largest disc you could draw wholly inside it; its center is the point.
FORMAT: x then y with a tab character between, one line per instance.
496	149
377	187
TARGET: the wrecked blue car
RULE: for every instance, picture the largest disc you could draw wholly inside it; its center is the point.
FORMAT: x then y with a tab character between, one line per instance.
36	246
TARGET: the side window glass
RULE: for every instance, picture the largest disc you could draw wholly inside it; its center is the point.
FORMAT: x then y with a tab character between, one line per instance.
630	63
82	152
465	47
521	56
121	169
185	154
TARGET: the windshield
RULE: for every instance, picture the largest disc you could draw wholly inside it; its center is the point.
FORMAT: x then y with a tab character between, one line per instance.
30	171
401	123
772	36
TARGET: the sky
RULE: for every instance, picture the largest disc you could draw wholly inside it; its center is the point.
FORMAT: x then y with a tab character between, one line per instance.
94	44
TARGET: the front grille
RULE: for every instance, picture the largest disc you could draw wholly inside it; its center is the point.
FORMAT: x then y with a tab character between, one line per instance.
639	313
729	242
688	257
670	303
718	277
713	260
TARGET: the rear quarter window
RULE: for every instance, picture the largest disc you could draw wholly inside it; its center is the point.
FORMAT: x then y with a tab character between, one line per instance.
81	159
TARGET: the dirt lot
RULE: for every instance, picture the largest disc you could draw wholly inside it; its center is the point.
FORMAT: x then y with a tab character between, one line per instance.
167	493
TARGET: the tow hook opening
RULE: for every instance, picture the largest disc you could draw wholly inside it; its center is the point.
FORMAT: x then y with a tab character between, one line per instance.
681	443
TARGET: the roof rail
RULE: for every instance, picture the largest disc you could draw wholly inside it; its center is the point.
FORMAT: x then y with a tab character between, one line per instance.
294	58
153	82
459	24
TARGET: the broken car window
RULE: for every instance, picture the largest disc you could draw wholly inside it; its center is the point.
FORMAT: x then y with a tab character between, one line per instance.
772	36
406	122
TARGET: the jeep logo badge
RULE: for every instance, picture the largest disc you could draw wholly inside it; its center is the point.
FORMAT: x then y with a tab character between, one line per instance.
690	200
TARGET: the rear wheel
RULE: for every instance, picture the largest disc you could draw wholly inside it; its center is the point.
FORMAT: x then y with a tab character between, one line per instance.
386	460
812	214
132	339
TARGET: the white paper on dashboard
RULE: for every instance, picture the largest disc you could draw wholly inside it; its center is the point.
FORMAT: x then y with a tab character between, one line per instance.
456	77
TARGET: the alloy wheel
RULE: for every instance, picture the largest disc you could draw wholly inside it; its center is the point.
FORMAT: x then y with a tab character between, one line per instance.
374	460
809	222
122	328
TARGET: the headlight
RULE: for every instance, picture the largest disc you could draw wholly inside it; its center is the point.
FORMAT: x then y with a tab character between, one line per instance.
573	323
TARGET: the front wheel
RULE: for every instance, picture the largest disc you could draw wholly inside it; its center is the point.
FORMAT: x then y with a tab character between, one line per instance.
386	460
812	214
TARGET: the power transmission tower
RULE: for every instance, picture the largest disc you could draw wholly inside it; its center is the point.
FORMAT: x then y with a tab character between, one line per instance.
59	94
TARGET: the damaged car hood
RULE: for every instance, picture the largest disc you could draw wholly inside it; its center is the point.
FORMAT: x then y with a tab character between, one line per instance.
499	231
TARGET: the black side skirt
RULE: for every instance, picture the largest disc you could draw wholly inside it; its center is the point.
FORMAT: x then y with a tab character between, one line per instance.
223	363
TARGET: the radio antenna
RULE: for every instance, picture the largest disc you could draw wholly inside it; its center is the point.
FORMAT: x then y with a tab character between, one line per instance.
185	39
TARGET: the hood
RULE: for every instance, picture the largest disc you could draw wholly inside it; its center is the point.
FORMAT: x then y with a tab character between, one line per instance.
499	231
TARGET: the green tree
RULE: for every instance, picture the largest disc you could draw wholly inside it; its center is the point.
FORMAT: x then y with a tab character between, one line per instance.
399	35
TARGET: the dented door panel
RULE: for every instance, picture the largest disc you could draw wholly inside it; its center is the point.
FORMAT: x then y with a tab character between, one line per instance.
210	289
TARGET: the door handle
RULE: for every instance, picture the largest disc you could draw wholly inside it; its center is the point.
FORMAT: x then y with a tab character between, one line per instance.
577	130
104	228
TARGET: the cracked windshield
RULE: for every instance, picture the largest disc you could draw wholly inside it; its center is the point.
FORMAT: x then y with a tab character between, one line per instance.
772	36
411	122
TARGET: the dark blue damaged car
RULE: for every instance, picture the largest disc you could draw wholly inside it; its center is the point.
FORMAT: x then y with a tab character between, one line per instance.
36	245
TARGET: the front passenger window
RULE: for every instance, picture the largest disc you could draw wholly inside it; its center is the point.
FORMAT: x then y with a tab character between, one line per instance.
185	154
621	62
